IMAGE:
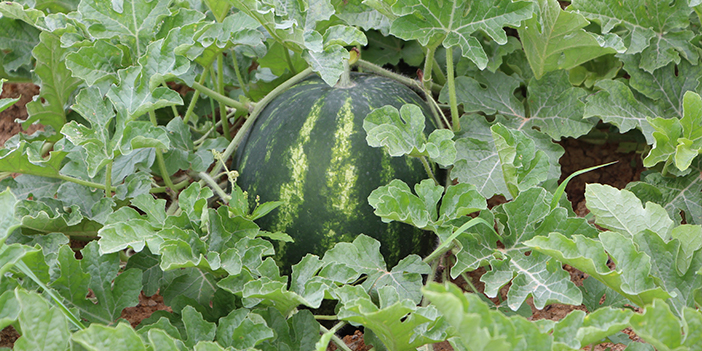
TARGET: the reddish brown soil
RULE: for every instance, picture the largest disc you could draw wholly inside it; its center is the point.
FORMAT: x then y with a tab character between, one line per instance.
579	155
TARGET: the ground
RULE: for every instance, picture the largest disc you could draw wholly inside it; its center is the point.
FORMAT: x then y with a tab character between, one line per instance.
579	154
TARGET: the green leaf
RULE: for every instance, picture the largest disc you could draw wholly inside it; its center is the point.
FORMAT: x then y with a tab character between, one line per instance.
18	39
615	103
664	255
577	329
657	30
666	86
396	202
57	83
95	139
97	63
101	337
658	326
26	158
131	22
299	332
555	39
134	96
402	133
242	329
522	165
452	23
678	142
558	115
327	62
398	323
197	329
44	327
475	326
675	194
98	273
621	210
631	277
8	221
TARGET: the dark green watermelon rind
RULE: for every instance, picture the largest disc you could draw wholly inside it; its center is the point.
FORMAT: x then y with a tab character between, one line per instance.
326	205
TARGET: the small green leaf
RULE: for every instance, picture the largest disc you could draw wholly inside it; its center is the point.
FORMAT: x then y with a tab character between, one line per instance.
522	165
398	323
99	337
396	202
242	329
8	222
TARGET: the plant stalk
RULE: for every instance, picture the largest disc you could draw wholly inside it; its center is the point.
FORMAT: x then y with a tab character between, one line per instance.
239	77
220	90
452	90
428	66
438	74
427	168
448	244
196	96
108	179
221	98
254	114
66	312
213	184
159	156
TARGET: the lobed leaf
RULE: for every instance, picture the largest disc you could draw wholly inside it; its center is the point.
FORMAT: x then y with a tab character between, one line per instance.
555	39
454	22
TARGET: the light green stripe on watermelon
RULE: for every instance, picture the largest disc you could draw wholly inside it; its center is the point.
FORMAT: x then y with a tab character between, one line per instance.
292	193
342	174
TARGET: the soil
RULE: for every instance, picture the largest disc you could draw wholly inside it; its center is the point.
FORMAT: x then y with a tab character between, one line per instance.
579	154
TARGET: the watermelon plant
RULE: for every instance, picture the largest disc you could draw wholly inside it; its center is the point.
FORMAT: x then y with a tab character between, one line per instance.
255	162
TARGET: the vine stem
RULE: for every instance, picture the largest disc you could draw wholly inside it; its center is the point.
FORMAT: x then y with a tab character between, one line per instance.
213	184
237	71
159	156
370	67
428	66
108	179
196	96
66	312
220	90
448	244
254	114
452	90
427	168
435	88
223	99
336	339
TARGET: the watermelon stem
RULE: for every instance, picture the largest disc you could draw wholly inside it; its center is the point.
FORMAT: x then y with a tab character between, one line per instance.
220	90
159	156
412	83
452	90
345	79
257	111
449	243
223	99
427	168
196	96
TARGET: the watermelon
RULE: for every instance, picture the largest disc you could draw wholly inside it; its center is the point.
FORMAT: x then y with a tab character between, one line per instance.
308	149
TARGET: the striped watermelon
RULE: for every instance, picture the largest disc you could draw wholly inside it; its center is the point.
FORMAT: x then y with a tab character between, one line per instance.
308	149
